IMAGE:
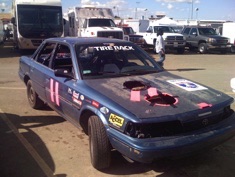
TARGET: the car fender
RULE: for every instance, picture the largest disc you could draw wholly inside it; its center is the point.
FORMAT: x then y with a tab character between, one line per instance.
96	111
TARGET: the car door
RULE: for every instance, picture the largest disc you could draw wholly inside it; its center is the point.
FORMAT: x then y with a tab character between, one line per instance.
186	32
40	68
193	37
61	83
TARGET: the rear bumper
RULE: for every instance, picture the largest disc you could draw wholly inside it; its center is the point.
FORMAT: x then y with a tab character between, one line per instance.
148	150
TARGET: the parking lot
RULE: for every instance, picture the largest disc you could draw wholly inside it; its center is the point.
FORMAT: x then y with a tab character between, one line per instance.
38	143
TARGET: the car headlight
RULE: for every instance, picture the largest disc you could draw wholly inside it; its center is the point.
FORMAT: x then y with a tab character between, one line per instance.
232	83
211	40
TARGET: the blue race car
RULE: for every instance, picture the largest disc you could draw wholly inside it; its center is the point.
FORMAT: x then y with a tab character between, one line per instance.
124	100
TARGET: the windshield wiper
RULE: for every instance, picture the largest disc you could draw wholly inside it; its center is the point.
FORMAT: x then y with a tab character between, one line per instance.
138	72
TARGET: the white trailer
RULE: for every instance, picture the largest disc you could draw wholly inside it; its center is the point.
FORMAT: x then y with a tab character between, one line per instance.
36	20
93	22
229	32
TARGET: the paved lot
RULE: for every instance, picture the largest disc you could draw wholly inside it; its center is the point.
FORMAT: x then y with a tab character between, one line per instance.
37	143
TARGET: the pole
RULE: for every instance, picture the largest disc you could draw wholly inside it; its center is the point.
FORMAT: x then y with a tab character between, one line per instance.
192	11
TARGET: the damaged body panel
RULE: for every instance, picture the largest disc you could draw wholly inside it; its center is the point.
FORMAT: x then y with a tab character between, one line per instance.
123	100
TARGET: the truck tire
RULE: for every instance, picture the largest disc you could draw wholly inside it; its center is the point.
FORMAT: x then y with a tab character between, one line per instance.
100	148
33	99
180	50
223	51
232	49
202	48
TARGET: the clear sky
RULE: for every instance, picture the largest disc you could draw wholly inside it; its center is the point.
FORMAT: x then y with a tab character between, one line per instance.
176	9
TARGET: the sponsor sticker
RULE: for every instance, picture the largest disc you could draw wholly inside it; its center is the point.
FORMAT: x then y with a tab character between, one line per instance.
79	102
186	85
103	48
116	120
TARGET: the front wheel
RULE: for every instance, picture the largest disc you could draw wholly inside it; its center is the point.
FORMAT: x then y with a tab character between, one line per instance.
202	48
33	99
180	50
100	148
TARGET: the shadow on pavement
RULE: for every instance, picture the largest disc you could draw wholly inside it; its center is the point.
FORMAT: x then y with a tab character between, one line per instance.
19	151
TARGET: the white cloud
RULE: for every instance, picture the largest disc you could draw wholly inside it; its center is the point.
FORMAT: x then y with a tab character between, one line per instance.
178	1
3	5
169	6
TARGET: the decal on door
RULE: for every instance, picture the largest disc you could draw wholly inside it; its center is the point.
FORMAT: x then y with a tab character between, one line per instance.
54	91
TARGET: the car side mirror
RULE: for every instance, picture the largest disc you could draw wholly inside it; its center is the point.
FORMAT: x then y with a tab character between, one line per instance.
149	31
195	33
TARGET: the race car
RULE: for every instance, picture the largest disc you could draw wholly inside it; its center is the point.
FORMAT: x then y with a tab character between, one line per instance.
124	100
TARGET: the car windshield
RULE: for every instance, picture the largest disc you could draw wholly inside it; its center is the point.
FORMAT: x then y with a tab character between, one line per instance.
165	29
114	60
206	31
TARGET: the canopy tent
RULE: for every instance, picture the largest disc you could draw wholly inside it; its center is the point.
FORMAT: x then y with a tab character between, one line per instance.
165	21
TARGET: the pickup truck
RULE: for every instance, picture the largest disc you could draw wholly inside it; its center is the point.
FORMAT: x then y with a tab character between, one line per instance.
172	39
130	35
205	39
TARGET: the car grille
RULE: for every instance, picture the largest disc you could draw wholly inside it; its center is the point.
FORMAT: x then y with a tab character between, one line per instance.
174	38
136	40
111	34
175	127
222	41
36	42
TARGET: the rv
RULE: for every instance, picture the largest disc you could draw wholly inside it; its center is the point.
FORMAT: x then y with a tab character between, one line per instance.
34	21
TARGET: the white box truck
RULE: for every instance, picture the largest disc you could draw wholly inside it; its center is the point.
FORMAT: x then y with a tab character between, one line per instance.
92	22
229	32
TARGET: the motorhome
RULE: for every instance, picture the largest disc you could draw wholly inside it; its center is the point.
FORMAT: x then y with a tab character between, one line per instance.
36	20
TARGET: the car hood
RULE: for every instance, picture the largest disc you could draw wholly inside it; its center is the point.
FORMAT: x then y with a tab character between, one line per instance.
171	34
157	95
216	37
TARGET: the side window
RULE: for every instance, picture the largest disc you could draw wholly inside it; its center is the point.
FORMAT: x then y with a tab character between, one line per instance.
62	59
150	29
193	31
44	56
186	31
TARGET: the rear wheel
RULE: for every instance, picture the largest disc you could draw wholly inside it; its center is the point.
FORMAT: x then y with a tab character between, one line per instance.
202	48
33	99
100	148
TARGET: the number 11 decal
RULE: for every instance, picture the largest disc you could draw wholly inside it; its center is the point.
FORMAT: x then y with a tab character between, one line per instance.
54	91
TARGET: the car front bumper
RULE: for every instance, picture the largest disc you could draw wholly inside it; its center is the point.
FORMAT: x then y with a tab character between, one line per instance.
148	150
220	47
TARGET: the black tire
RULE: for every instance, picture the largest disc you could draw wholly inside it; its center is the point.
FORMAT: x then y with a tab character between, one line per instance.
180	50
202	48
33	99
100	148
223	51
